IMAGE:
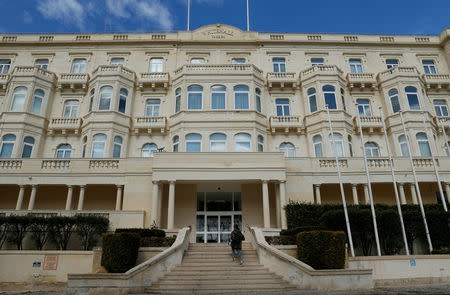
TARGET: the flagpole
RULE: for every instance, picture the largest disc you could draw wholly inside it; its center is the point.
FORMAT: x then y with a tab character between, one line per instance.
444	203
369	184
248	18
188	14
419	195
341	186
397	199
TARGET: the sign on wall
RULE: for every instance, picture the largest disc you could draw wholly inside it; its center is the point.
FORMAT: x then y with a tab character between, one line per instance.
50	262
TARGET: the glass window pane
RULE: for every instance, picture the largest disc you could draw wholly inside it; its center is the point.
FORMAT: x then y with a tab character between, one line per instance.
218	101
219	201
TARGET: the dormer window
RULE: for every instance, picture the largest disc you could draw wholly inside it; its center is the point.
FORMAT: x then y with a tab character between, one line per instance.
197	61
317	61
238	61
117	61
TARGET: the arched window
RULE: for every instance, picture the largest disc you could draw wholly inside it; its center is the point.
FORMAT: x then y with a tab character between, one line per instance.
403	145
117	147
317	143
241	97
371	149
218	142
37	101
440	106
288	149
91	100
123	94
195	93
218	97
193	142
105	97
175	142
413	98
312	100
258	99
98	145
84	143
337	147
8	141
364	107
177	100
424	146
350	145
343	99
152	107
242	142
148	150
63	150
71	108
260	143
282	106
395	103
28	143
329	96
18	101
156	65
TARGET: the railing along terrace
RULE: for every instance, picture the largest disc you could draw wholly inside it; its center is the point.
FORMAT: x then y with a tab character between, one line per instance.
34	70
114	69
326	69
219	68
398	70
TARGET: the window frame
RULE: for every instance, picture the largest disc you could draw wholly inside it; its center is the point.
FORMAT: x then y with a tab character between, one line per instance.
247	92
178	100
421	142
317	143
441	110
63	148
279	64
329	92
5	66
103	96
429	66
238	142
99	142
283	108
392	63
371	149
315	61
117	146
122	103
194	92
38	100
364	109
238	60
71	109
198	61
189	142
22	93
79	66
148	148
258	95
91	100
356	65
218	92
27	147
42	63
288	149
115	61
156	65
152	109
393	93
403	145
339	142
409	95
175	144
7	142
222	141
260	143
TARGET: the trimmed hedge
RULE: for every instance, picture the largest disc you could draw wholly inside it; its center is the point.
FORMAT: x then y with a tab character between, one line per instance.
143	232
157	241
322	249
442	251
289	236
120	251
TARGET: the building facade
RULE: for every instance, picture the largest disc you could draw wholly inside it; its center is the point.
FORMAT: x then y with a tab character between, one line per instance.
218	126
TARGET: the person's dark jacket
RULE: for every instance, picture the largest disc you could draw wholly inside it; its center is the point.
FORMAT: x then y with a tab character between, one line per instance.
236	239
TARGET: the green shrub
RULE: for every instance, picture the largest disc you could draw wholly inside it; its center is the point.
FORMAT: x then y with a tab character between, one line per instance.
414	226
120	251
89	228
143	232
389	231
441	251
322	249
18	227
4	227
281	240
61	229
295	231
438	224
40	231
157	241
171	240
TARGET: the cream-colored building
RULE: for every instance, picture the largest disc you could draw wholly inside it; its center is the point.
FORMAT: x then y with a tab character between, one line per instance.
217	126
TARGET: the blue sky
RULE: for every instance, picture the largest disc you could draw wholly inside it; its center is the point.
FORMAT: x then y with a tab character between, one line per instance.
327	16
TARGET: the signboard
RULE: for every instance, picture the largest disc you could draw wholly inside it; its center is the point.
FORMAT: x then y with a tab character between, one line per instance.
36	264
50	262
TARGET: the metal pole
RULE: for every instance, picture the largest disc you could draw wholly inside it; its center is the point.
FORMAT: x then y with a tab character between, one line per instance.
422	211
369	184
188	14
248	18
444	203
341	186
397	199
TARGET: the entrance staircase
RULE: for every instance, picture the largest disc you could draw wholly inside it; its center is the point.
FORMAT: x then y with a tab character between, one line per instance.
209	269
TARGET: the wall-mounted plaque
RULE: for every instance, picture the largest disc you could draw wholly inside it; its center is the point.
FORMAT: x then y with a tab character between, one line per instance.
50	262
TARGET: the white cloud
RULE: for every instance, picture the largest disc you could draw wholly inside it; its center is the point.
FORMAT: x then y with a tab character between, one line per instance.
66	11
27	18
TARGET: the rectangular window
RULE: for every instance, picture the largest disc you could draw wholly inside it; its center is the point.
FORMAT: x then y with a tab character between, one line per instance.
117	61
5	64
364	107
194	101
156	65
390	63
317	61
429	67
177	104
198	61
152	108
218	101
42	63
238	61
355	66
241	101
440	106
279	64
282	106
79	66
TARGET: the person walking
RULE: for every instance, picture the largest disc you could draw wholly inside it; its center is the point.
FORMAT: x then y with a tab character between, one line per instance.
236	243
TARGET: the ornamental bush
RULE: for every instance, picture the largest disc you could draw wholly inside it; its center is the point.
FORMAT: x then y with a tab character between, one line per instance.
120	251
90	228
18	228
4	226
143	232
40	231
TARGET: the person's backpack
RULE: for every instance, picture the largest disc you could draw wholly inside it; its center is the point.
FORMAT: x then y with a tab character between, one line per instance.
237	237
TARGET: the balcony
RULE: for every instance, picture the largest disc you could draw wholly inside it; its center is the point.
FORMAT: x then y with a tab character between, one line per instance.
281	80
361	81
286	124
111	70
153	80
106	119
36	72
436	81
319	120
398	72
64	125
4	78
150	124
73	81
443	121
370	123
219	69
325	71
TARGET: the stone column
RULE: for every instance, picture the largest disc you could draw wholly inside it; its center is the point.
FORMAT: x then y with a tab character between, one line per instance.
160	195
318	197
355	193
69	197
32	197
81	198
119	197
401	191
366	194
447	190
155	196
171	206
278	204
266	209
283	203
413	193
20	197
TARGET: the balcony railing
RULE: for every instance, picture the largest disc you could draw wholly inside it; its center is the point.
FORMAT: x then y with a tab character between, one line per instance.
437	81
4	78
73	81
36	72
443	121
398	72
149	124
324	70
153	80
114	70
371	123
361	80
55	164
281	79
286	123
219	69
64	125
104	163
10	164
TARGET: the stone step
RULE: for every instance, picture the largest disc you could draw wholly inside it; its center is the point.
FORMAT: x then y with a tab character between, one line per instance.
218	276
220	285
213	265
219	267
255	289
225	272
218	259
218	281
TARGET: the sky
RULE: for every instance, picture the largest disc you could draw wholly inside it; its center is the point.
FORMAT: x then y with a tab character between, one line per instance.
311	16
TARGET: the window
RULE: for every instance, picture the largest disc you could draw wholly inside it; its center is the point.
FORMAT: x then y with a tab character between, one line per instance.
393	96
195	93
198	61
193	142
429	67
149	150
83	153
440	106
28	143
403	145
105	98
238	61
371	149
8	141
447	149
355	66
156	65
363	107
312	100
242	142
350	145
152	107
117	61
177	100
79	66
18	101
175	142
390	63
64	151
279	64
343	99
317	61
117	146
288	149
260	143
37	101
91	100
218	142
42	63
123	94
98	145
218	94
241	97
282	106
258	99
422	142
71	109
337	147
5	64
317	143
413	98
329	97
